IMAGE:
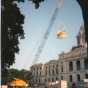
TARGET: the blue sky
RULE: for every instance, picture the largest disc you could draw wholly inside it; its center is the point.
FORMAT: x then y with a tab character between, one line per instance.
35	25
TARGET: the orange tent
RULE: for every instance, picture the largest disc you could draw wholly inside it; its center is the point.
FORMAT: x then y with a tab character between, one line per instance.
18	82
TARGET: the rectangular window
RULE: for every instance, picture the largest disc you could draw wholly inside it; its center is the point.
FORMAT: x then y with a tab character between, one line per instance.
78	65
70	66
61	77
39	80
52	79
46	71
86	63
49	72
49	79
40	73
86	76
70	78
56	78
52	72
61	68
78	77
57	69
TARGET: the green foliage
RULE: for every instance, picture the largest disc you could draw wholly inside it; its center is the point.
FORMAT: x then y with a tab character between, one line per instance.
12	31
37	3
20	74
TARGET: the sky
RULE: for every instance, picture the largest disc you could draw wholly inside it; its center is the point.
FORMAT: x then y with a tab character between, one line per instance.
36	23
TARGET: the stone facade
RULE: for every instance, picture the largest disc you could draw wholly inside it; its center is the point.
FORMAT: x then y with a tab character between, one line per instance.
71	66
75	65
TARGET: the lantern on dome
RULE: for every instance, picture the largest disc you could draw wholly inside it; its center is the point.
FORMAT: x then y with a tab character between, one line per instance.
61	34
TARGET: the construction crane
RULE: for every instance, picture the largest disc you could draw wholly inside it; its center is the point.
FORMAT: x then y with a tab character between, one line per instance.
45	37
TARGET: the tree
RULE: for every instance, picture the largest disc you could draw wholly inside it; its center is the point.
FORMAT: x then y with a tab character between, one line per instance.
37	3
20	74
11	32
84	6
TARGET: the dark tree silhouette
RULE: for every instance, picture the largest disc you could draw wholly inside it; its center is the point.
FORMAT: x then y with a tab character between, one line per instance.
11	32
37	3
84	6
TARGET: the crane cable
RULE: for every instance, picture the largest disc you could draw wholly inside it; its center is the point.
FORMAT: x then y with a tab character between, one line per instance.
45	37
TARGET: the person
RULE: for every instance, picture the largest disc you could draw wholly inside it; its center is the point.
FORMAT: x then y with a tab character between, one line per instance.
74	85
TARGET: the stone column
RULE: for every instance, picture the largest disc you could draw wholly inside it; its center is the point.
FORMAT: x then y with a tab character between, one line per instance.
54	69
74	66
82	64
64	66
67	67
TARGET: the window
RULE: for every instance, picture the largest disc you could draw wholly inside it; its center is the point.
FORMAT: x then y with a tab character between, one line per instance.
70	66
45	79
45	87
61	68
52	79
37	73
46	71
52	72
70	78
86	63
57	65
86	76
57	69
39	80
36	80
49	79
78	77
78	65
61	77
49	71
53	66
40	73
56	78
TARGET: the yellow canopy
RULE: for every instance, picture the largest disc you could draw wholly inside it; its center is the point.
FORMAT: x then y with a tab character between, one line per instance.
18	82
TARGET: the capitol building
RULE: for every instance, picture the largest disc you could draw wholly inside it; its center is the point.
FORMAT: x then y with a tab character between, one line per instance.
71	66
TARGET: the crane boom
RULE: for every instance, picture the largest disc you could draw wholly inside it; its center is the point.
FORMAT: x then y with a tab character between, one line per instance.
45	37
